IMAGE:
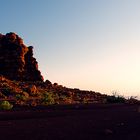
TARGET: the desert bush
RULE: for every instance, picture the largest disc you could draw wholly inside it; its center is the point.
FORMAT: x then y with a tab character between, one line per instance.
115	98
5	105
21	97
133	100
48	99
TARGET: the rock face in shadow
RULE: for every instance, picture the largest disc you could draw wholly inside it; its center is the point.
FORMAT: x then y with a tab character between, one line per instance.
16	59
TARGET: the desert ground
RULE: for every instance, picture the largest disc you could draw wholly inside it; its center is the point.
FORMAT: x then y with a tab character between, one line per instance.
72	122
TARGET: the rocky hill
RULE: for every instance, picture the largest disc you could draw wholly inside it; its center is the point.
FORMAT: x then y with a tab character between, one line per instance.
37	91
22	83
16	59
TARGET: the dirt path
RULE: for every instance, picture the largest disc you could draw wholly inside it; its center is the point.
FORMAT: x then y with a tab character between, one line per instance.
90	122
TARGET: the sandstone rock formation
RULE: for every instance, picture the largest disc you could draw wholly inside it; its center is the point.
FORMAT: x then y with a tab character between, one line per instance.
16	59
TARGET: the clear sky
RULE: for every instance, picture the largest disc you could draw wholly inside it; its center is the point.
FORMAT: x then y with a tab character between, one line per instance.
86	44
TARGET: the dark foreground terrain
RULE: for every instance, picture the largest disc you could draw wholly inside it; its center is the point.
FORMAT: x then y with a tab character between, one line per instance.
72	122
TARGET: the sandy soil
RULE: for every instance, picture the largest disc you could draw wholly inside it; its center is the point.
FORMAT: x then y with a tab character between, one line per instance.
73	122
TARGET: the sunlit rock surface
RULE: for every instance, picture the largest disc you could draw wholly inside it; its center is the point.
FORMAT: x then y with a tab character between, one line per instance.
16	59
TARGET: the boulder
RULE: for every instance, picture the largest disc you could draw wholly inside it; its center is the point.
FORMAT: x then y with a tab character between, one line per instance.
32	90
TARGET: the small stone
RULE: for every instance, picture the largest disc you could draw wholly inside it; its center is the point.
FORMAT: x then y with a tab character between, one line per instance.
108	131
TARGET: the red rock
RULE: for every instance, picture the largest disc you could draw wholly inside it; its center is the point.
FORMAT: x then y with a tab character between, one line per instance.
16	59
32	89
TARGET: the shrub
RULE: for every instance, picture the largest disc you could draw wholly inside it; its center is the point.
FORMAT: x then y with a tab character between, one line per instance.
115	98
48	99
21	97
5	105
133	100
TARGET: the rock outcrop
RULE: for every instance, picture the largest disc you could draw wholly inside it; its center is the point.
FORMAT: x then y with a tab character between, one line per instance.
16	59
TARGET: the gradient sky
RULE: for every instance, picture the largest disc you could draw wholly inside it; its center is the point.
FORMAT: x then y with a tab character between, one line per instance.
86	44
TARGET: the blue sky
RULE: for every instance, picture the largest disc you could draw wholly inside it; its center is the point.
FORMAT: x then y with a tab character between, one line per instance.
89	44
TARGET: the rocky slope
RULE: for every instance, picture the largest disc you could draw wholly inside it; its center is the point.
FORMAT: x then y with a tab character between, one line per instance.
35	91
22	83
